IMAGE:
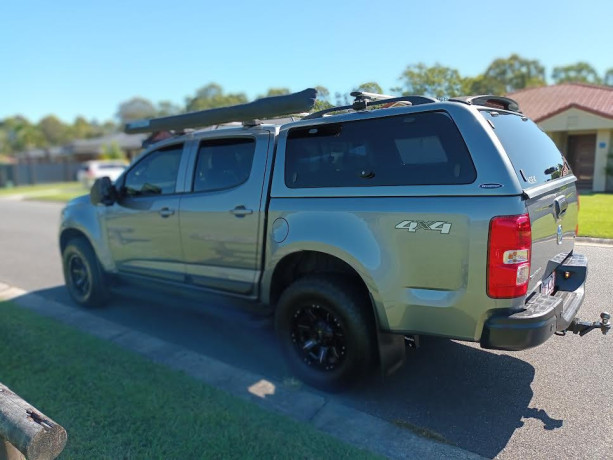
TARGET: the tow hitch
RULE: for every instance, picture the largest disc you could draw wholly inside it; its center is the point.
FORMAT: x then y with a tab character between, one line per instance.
583	327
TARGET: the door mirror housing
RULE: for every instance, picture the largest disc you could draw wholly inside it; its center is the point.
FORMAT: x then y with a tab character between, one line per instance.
103	192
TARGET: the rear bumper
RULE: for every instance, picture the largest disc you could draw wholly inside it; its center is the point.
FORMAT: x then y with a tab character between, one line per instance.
543	315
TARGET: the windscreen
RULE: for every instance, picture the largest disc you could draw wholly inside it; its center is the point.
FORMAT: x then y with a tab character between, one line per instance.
534	156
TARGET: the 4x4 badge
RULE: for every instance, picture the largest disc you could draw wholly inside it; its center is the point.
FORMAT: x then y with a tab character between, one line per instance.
414	225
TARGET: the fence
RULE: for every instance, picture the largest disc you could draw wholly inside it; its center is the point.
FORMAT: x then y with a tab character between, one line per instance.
24	431
37	173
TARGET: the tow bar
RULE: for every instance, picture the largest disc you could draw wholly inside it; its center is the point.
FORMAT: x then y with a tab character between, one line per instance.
583	327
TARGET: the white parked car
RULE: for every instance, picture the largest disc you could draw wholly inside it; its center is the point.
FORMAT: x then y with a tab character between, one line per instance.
92	170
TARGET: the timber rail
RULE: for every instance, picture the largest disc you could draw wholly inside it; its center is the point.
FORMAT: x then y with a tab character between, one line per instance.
25	432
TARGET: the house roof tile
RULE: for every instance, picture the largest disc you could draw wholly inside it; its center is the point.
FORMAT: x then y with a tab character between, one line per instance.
546	101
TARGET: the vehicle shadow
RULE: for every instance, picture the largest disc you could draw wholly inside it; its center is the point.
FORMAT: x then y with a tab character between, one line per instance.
472	398
219	327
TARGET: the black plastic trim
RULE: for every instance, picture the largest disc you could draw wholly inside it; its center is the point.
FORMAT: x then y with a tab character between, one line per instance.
543	314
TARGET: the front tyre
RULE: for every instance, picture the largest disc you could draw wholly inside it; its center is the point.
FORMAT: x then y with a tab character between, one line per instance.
326	331
83	275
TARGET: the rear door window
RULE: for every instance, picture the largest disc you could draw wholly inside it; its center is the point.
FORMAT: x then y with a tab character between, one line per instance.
223	164
534	156
412	149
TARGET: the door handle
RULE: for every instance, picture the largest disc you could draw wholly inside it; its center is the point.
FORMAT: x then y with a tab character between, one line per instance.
166	212
560	206
241	211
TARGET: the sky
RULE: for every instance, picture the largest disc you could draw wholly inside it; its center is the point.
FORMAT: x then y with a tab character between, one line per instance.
83	58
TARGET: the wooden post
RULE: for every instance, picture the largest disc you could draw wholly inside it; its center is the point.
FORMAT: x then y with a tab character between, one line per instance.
29	431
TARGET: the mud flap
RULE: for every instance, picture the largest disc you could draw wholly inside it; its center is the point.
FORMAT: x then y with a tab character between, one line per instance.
392	352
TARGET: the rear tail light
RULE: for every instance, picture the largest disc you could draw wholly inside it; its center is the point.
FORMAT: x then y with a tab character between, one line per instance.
508	258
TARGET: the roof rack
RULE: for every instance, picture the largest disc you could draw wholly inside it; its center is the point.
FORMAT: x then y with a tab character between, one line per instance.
364	99
490	100
268	107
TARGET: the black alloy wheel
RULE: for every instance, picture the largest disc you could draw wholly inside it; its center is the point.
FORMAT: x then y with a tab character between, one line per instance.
319	337
326	331
85	280
80	278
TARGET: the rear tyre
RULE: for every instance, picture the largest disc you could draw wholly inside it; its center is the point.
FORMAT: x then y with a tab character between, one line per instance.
83	274
326	331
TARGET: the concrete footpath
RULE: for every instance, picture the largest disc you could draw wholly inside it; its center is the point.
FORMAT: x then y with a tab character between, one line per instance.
322	412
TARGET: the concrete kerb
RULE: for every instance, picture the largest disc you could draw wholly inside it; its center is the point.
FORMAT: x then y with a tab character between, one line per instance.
323	413
594	241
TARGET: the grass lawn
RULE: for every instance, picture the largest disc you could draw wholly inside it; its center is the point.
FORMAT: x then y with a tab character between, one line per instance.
60	191
596	215
115	404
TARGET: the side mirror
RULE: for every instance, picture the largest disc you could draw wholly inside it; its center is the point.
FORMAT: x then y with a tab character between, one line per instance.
103	192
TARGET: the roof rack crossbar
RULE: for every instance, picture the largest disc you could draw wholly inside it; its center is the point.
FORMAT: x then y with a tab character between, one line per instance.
370	96
268	107
361	103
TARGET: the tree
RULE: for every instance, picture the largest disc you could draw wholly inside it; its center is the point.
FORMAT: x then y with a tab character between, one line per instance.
112	151
472	86
18	134
212	96
322	92
370	87
516	72
167	108
580	72
108	127
274	92
54	130
436	81
322	102
136	108
82	129
608	77
341	99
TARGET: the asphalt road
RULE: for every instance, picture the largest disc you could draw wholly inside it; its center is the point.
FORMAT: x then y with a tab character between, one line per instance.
553	401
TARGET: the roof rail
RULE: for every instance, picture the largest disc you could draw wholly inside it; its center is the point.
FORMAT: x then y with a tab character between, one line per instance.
268	107
364	100
490	100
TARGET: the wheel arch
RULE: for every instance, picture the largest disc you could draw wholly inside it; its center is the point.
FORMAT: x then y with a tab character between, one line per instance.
72	233
294	265
302	262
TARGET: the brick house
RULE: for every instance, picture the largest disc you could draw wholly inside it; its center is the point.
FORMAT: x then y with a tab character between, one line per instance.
579	119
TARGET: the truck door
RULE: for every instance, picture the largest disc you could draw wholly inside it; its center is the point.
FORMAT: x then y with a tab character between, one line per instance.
143	226
222	213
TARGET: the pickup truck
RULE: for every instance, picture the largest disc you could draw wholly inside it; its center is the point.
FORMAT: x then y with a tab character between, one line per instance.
360	227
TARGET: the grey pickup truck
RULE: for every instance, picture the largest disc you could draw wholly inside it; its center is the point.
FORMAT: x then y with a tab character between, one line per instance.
359	227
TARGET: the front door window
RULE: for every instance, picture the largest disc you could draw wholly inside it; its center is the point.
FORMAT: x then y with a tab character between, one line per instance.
156	174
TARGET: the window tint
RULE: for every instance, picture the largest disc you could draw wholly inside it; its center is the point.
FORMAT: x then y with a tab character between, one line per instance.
534	156
414	149
155	174
223	164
